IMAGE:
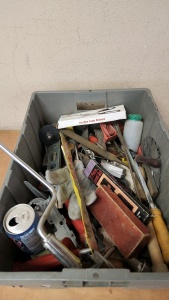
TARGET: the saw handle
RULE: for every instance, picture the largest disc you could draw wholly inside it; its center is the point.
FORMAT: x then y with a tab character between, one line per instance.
161	233
155	163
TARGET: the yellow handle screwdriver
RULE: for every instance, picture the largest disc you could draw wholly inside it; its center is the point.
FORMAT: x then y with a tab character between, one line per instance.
161	238
158	222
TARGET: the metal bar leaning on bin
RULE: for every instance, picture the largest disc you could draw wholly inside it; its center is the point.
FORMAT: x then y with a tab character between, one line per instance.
66	257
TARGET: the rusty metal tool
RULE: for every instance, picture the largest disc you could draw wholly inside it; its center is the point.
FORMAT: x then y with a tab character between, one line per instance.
85	217
91	146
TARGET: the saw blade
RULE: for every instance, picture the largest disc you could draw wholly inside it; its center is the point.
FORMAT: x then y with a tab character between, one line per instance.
150	149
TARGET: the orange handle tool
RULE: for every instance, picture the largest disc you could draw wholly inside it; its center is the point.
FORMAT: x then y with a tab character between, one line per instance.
158	264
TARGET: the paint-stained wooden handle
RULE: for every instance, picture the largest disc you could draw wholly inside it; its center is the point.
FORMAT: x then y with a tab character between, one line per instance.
162	233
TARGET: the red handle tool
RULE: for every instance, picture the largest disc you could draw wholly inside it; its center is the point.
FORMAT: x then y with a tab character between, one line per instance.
109	132
47	262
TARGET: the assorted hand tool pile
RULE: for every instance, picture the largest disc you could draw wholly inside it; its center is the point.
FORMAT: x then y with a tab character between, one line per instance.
94	204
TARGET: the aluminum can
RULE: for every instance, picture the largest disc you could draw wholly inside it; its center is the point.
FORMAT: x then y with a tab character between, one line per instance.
20	224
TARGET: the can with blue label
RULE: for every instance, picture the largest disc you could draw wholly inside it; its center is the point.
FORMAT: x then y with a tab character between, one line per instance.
20	224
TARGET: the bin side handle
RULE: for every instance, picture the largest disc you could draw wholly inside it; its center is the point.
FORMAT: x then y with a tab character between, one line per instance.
90	105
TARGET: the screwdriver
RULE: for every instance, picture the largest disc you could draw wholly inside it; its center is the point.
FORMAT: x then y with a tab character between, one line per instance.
93	139
158	222
157	240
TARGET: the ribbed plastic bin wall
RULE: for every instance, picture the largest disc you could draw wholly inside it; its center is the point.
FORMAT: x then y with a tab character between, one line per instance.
45	108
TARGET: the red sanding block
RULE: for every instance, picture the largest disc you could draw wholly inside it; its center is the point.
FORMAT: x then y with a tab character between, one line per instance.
126	231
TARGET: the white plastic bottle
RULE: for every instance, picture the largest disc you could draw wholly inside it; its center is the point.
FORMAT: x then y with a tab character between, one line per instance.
132	131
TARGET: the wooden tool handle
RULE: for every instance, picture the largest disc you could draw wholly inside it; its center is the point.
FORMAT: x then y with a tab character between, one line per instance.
155	163
161	233
158	264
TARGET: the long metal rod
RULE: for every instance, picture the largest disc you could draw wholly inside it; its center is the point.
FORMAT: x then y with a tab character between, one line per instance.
50	242
140	179
28	168
120	136
143	184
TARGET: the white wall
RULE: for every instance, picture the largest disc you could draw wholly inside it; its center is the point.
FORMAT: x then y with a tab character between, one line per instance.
81	44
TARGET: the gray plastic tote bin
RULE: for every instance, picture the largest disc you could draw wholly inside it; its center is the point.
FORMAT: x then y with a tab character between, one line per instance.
45	108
